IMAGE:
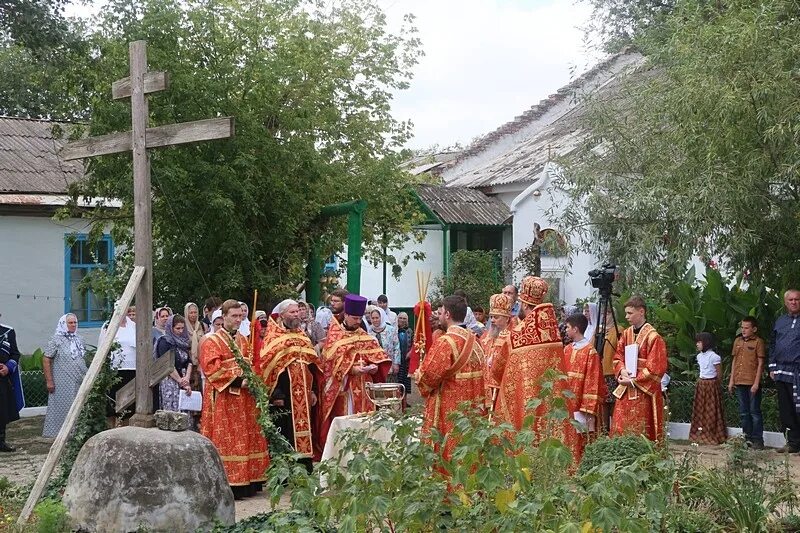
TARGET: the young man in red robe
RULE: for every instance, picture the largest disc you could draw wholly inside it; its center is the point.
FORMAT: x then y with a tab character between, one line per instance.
230	418
640	406
585	380
494	339
352	358
452	372
534	346
288	365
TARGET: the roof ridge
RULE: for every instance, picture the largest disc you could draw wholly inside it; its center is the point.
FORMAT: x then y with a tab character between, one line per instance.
537	110
45	120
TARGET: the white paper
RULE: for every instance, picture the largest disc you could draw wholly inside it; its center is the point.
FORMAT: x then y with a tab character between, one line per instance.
584	419
190	403
632	359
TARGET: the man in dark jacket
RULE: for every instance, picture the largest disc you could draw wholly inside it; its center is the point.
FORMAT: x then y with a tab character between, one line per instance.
9	377
784	369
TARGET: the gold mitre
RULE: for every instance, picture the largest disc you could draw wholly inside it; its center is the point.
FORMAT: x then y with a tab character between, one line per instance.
500	305
533	290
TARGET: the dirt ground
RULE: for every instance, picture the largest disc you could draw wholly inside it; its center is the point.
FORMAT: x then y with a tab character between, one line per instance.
22	466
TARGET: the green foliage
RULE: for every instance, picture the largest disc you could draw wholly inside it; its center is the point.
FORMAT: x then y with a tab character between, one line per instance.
477	272
702	147
32	362
618	22
51	517
310	87
625	449
742	496
713	306
278	445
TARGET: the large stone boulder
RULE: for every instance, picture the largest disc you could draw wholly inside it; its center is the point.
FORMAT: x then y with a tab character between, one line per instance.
130	477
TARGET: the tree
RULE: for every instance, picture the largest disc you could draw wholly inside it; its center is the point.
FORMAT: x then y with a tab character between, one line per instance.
697	151
617	23
310	88
476	272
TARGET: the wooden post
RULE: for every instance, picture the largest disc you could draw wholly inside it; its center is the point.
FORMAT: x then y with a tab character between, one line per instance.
83	392
143	235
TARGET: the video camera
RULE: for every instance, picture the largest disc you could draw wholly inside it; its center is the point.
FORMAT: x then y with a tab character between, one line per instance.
603	278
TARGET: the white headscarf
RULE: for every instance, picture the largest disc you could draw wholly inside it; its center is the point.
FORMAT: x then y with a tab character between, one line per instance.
593	317
76	348
244	327
215	315
368	318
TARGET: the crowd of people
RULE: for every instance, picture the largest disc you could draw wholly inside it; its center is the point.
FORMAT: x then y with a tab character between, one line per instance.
317	364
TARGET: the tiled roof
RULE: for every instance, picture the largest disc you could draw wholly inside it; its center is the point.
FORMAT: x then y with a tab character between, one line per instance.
28	157
460	205
525	157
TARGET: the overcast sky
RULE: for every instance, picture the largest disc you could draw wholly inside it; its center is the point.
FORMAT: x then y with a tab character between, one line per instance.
486	61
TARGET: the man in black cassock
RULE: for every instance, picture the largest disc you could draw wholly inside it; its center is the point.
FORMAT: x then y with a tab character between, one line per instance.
9	383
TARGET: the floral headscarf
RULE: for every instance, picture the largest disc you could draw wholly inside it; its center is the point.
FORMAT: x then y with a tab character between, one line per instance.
76	347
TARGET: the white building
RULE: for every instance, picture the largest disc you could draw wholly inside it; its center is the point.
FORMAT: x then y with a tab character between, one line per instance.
42	259
512	166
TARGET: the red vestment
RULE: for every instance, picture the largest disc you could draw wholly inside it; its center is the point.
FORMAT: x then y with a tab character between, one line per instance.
341	392
533	347
640	408
450	374
585	379
291	351
230	418
491	347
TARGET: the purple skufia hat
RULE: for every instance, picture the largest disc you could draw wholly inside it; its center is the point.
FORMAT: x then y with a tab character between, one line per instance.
355	305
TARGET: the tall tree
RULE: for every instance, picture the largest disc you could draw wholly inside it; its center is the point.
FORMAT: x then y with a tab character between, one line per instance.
698	151
310	87
617	23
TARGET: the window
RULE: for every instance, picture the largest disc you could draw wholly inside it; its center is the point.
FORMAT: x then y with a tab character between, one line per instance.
80	260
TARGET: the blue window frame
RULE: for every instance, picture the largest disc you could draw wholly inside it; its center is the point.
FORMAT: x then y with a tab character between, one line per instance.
79	260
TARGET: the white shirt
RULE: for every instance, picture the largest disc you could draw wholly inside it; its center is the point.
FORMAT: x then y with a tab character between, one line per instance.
125	357
706	360
324	317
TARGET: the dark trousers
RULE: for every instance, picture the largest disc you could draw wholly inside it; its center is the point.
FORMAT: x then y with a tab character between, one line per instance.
2	432
750	413
790	419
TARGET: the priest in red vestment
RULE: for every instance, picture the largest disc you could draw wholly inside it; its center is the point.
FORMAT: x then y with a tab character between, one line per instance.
288	365
230	418
585	380
452	373
640	406
500	306
352	358
534	346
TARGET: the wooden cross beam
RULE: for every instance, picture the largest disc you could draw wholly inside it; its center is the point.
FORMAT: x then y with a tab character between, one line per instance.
136	86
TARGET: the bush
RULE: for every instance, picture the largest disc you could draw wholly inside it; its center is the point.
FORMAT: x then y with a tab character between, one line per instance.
681	400
51	517
479	273
625	449
33	361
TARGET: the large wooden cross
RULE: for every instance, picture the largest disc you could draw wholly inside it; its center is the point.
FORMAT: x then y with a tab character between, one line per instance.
140	83
138	140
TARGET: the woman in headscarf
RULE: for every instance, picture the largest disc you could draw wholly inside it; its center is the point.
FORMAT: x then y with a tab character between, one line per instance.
310	327
174	343
592	313
244	327
123	360
64	370
195	331
386	335
160	318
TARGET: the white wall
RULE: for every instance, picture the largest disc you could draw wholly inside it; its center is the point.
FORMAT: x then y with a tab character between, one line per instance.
574	279
32	263
403	292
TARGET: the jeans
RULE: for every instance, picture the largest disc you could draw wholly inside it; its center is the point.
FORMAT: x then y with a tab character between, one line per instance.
750	413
